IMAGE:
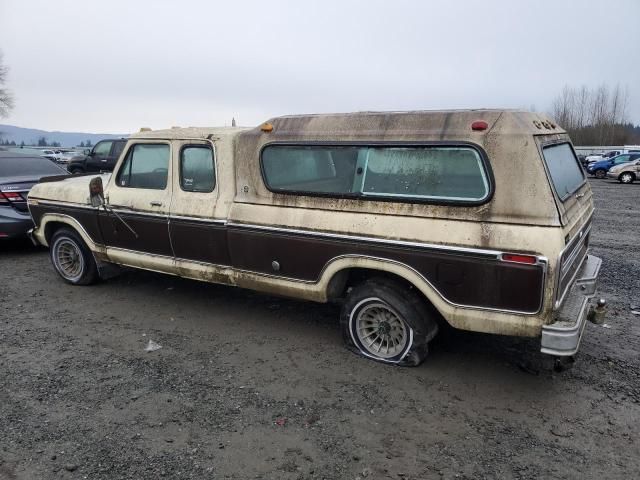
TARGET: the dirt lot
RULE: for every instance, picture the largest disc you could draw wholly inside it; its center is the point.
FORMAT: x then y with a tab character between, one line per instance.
251	386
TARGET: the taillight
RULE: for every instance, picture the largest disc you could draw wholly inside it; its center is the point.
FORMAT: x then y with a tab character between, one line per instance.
516	258
9	197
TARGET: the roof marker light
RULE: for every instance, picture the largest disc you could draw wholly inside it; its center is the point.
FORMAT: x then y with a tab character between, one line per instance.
479	125
266	127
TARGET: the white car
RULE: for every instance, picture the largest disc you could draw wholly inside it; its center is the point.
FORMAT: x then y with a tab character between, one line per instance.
51	155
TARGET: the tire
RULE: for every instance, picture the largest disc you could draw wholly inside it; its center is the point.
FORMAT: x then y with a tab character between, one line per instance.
76	171
396	316
71	258
626	177
600	173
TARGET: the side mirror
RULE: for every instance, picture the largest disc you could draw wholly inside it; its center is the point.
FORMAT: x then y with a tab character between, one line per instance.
96	192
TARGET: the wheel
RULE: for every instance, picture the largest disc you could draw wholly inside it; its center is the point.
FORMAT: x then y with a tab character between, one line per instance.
600	173
76	171
626	177
72	259
387	322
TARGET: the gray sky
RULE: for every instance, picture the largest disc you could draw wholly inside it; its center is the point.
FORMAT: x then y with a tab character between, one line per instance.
115	66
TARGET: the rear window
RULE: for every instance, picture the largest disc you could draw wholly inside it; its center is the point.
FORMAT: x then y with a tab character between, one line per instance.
19	166
564	169
436	173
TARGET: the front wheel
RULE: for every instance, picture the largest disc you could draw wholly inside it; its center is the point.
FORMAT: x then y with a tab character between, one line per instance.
626	177
387	322
600	173
72	259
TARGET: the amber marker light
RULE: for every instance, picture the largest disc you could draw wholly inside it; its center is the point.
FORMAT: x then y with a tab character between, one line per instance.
266	127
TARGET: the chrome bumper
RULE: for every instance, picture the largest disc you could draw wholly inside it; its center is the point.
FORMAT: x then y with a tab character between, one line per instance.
32	237
562	337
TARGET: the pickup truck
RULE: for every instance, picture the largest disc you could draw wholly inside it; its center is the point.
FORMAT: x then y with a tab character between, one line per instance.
102	158
479	218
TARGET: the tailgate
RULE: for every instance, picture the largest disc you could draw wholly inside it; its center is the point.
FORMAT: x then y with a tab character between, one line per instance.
574	200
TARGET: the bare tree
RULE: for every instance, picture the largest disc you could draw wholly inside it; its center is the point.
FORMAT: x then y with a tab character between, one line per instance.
592	116
6	97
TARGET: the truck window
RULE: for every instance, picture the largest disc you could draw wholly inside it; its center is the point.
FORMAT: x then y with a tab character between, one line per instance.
437	173
102	149
197	173
146	166
117	149
566	174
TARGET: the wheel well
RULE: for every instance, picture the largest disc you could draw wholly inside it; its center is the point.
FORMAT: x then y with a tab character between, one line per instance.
344	280
52	227
348	278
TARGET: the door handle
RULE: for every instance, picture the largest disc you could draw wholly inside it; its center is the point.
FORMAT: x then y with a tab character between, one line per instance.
155	203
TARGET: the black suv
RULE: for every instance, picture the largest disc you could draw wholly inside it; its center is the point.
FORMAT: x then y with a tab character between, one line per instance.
102	158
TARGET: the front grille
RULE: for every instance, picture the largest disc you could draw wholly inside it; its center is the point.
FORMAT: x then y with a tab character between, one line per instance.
572	257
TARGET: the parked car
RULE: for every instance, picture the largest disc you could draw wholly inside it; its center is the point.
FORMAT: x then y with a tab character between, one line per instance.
17	176
600	169
406	219
102	158
627	172
583	160
51	154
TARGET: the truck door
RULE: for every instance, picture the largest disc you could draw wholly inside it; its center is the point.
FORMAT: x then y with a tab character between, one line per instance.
197	220
139	192
98	159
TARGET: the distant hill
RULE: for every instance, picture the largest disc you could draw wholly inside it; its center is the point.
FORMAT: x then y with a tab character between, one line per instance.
30	136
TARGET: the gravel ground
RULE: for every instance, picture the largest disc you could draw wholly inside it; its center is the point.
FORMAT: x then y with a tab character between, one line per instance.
252	386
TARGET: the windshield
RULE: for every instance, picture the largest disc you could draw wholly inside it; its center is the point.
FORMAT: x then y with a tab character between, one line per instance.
21	166
564	169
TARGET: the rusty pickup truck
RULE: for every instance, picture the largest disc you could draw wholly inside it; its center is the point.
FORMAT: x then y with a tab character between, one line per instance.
477	218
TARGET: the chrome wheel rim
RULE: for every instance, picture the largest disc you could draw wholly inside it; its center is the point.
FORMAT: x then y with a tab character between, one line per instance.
626	178
380	330
68	259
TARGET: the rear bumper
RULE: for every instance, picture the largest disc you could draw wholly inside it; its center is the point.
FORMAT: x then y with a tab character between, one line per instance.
14	223
562	337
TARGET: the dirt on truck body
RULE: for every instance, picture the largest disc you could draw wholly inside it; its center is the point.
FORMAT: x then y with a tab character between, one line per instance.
479	218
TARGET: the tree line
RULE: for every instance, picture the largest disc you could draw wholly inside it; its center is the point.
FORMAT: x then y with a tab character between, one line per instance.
595	116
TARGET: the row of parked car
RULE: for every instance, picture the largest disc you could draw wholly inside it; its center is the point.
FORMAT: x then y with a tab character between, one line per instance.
622	165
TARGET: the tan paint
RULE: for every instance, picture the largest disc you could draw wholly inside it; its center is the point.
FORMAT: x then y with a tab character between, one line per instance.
521	217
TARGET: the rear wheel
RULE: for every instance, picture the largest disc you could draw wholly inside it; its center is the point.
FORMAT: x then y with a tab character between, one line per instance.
387	322
626	177
71	258
76	170
600	173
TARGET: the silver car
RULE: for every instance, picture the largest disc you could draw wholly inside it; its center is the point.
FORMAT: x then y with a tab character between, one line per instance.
626	172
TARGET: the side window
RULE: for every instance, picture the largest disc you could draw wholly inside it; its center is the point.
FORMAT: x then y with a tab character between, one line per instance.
117	149
622	159
450	173
197	171
146	166
102	149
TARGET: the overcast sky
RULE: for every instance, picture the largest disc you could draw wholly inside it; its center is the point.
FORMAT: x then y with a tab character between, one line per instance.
113	67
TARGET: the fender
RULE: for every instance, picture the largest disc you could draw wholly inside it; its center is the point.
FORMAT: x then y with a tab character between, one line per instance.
459	316
39	231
